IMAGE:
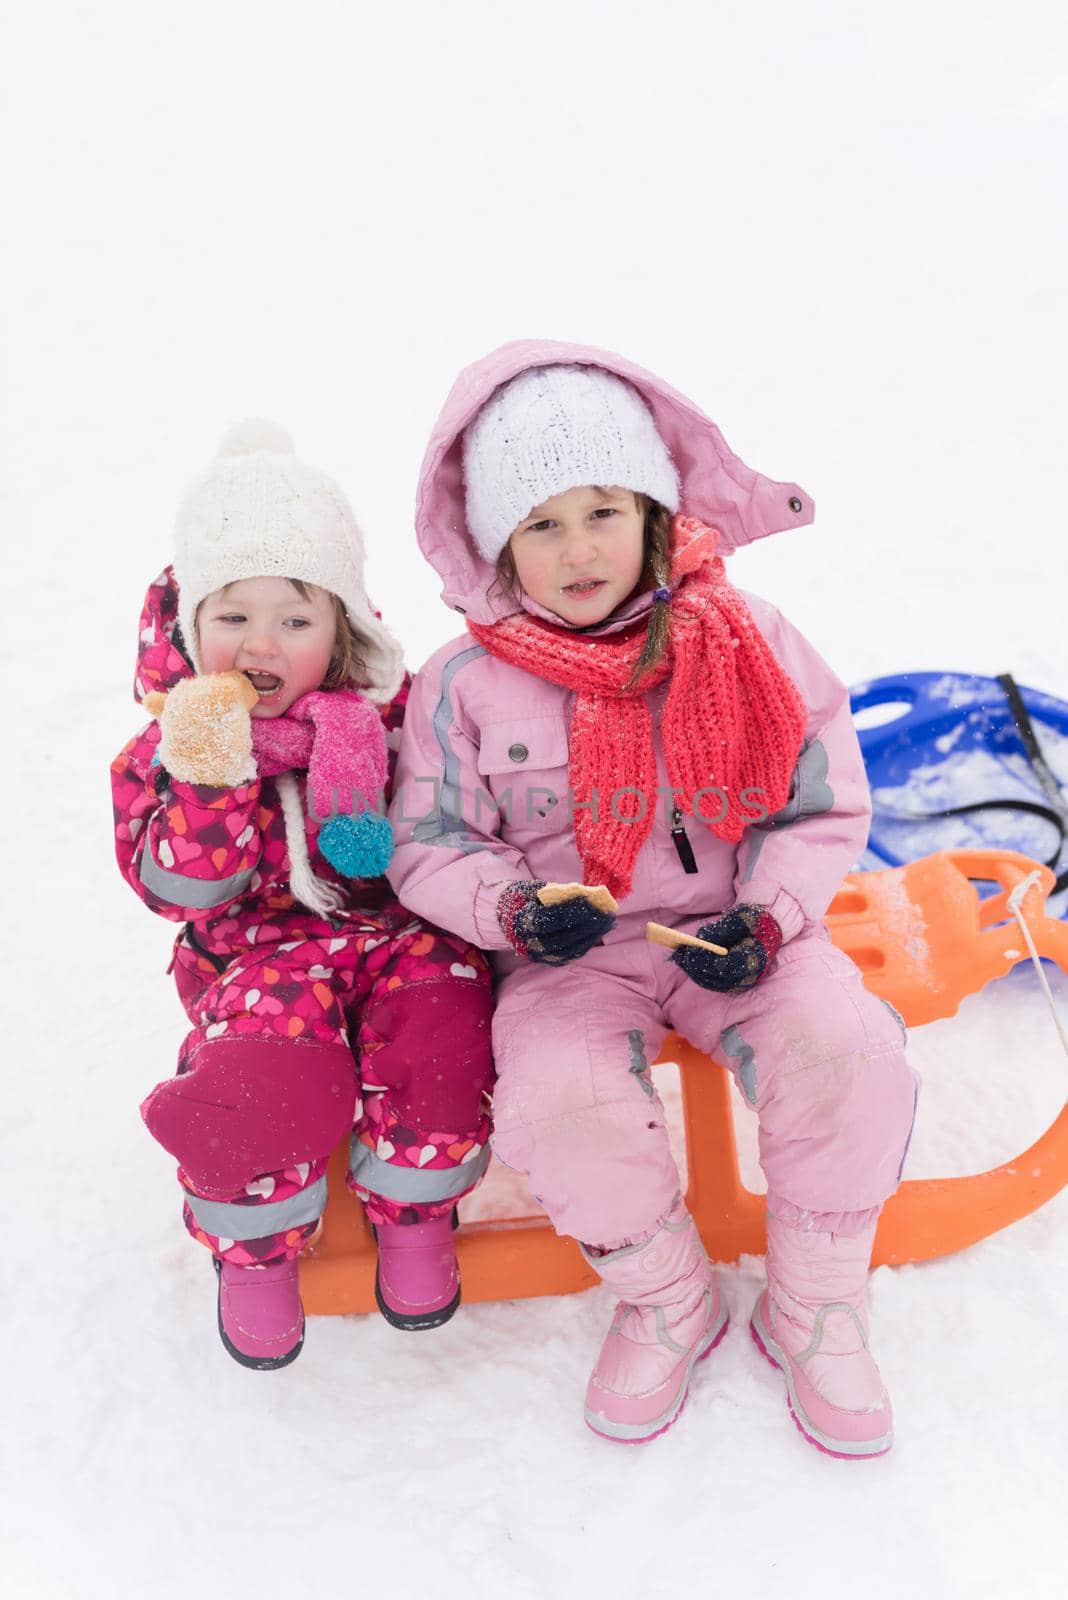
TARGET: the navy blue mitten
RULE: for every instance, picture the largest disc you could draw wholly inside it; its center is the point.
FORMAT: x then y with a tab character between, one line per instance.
552	934
751	937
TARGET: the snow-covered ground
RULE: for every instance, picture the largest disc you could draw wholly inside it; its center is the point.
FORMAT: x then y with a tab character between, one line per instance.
842	229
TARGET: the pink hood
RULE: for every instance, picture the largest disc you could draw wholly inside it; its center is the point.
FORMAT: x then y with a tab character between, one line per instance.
716	487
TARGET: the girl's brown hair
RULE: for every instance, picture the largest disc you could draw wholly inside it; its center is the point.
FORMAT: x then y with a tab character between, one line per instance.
346	664
657	570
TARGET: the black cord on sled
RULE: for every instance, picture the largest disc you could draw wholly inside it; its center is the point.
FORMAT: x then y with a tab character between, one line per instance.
1055	813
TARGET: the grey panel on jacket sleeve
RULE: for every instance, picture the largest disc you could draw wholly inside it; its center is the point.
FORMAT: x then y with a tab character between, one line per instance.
810	796
445	825
178	890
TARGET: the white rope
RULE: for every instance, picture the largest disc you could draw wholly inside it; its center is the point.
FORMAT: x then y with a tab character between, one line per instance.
1014	903
318	896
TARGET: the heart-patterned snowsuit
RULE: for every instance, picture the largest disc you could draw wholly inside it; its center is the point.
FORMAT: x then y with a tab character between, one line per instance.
303	1028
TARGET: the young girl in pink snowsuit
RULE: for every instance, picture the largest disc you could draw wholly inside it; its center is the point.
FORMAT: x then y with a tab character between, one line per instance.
618	714
319	1006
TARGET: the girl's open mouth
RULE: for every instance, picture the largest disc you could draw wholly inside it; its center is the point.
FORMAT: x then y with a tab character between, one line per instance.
581	590
267	685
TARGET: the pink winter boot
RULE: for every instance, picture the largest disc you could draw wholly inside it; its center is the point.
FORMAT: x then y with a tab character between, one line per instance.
417	1284
670	1315
812	1323
261	1319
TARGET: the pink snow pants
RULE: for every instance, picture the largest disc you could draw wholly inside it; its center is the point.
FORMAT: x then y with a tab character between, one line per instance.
819	1059
301	1040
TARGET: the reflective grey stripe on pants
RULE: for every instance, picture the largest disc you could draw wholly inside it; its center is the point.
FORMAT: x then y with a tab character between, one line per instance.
228	1221
178	890
414	1184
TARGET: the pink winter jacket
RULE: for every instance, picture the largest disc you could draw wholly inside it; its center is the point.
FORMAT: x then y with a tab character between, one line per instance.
482	793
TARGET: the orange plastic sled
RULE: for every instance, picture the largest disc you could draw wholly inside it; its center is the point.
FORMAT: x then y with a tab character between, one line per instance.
924	940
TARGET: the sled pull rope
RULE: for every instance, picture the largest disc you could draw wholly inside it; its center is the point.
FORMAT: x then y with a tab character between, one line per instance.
1025	729
1039	765
1014	902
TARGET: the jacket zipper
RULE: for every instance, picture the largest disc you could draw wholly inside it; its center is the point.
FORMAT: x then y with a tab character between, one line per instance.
220	963
680	840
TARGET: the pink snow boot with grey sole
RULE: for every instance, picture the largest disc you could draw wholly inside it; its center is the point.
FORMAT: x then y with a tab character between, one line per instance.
417	1284
670	1315
261	1319
812	1323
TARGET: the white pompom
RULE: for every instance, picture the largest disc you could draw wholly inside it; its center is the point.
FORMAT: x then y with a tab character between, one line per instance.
252	434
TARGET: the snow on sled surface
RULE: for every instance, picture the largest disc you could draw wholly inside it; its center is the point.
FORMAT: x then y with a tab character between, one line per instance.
934	740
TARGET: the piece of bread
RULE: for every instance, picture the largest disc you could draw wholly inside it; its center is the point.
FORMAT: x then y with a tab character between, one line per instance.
236	690
602	899
657	933
205	729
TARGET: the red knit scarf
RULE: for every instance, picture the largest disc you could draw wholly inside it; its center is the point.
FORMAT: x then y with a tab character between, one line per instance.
733	720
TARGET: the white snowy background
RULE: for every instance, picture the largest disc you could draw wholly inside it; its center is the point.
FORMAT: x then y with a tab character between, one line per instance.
841	228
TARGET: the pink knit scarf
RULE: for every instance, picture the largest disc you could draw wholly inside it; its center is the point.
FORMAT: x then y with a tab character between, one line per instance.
733	721
338	738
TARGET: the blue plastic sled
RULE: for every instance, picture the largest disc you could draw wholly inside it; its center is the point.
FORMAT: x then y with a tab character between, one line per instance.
945	739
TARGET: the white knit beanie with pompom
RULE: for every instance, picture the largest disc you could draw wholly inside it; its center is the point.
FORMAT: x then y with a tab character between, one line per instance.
259	512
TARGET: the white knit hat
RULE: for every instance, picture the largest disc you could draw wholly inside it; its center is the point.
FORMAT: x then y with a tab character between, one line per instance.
258	512
557	428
